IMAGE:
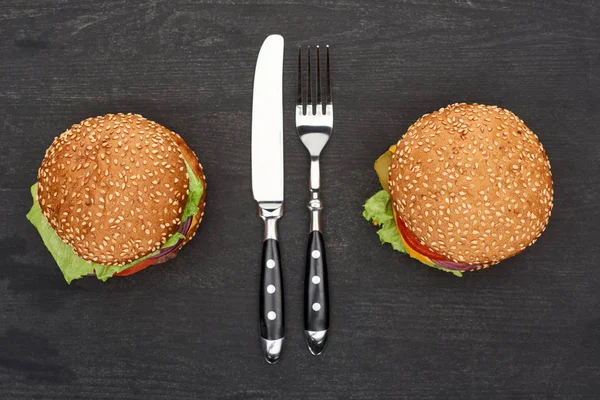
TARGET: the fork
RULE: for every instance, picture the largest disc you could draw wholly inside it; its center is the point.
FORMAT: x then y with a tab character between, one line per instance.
314	124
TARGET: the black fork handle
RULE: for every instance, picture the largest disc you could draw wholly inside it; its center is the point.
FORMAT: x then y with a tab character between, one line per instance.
316	288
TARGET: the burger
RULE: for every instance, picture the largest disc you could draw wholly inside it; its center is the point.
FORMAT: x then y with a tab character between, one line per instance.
116	194
466	187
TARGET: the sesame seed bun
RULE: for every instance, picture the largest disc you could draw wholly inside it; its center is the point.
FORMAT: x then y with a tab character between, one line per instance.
114	187
472	183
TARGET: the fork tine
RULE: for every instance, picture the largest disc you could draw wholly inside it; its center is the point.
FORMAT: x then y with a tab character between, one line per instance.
329	89
299	100
309	102
319	94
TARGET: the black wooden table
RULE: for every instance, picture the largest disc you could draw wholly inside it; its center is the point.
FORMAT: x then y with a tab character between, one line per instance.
529	328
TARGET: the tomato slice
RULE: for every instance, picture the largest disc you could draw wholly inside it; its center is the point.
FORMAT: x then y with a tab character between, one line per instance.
416	255
137	267
414	243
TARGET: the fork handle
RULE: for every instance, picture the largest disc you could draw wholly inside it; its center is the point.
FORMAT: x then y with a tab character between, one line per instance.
316	294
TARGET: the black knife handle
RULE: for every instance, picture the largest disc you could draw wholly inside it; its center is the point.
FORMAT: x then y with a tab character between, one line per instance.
316	291
271	292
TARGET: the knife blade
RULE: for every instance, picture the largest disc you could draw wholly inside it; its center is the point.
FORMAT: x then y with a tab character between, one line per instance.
267	188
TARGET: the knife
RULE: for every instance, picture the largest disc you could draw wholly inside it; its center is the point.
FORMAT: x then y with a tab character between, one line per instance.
267	188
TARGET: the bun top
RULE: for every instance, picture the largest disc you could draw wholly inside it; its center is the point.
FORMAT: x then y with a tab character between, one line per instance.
113	187
472	183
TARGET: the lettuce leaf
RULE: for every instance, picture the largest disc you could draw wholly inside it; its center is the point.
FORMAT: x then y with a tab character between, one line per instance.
74	267
388	233
194	195
172	241
378	210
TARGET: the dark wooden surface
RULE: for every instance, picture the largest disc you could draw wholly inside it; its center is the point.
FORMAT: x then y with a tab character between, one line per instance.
529	328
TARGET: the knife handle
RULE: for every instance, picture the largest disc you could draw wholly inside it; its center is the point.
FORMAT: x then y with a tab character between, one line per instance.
316	294
271	295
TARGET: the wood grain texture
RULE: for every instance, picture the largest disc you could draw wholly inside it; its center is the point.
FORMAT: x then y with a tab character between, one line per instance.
529	328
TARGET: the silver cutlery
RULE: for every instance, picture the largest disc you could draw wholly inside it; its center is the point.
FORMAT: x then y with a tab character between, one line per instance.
267	188
314	124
